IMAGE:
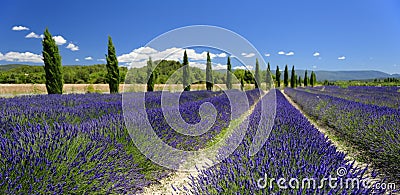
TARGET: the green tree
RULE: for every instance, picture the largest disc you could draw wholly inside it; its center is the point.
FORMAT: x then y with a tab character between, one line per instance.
293	78
286	77
313	79
229	74
299	81
242	83
305	79
209	76
52	65
278	76
112	68
257	76
150	75
268	79
186	73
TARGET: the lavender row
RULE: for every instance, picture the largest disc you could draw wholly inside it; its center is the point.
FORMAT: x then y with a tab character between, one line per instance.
380	96
374	130
79	144
189	111
294	149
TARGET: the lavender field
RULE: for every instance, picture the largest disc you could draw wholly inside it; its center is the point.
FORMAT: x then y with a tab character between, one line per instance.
79	144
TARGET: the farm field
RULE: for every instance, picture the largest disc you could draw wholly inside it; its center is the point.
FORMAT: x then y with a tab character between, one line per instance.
78	143
11	90
368	118
380	96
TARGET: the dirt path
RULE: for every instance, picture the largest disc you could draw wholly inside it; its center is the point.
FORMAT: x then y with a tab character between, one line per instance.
179	179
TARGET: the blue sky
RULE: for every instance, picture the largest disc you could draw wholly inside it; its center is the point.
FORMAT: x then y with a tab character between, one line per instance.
347	35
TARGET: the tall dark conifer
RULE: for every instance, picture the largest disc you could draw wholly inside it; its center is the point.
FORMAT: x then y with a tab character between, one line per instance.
209	76
229	74
305	79
299	81
286	77
268	78
186	73
278	76
112	68
150	75
242	83
52	65
293	78
257	76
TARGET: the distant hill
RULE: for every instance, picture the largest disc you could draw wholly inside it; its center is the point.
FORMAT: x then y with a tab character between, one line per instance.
344	75
11	66
352	75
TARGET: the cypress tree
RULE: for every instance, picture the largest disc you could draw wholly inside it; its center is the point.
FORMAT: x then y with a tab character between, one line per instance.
112	68
286	77
209	76
228	74
242	83
257	76
305	79
52	65
268	79
299	82
186	73
313	79
293	78
150	75
278	76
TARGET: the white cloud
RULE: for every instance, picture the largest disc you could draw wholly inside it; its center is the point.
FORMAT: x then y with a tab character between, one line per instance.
33	35
267	54
316	54
76	60
290	53
247	67
314	66
138	57
19	28
248	55
59	40
197	65
101	60
21	57
88	58
342	58
72	47
221	55
281	53
219	66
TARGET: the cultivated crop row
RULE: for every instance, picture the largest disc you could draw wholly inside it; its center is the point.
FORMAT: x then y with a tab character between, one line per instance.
373	130
294	149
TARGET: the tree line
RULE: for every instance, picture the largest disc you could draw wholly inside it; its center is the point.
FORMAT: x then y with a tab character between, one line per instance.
55	75
243	75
